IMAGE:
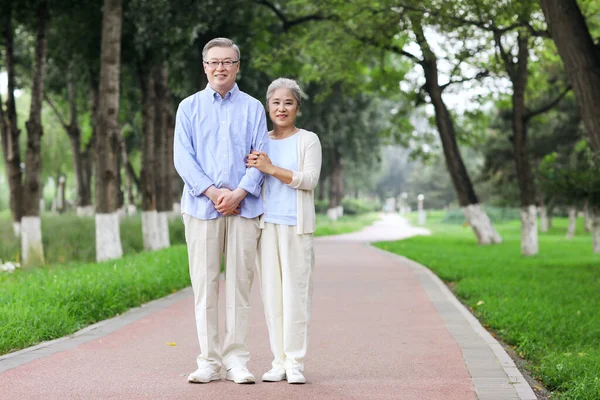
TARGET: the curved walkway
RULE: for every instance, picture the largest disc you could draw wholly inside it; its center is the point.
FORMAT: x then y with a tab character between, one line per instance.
383	327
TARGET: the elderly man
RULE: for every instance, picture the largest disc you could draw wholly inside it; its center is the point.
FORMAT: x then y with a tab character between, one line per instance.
215	128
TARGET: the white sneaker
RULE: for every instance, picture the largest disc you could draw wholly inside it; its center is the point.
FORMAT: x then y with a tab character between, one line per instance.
274	375
240	375
294	375
204	375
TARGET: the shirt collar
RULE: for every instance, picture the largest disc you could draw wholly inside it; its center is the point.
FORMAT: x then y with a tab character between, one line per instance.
231	95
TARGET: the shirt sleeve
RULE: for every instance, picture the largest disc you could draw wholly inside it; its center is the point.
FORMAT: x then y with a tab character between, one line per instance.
252	180
308	178
184	155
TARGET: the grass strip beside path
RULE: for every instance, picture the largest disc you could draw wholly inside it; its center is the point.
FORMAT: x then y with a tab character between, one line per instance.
53	301
546	306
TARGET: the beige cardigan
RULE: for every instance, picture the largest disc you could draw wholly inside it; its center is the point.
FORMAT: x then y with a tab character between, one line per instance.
304	180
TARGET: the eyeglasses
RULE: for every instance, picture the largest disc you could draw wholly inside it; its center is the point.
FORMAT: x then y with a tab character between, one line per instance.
226	63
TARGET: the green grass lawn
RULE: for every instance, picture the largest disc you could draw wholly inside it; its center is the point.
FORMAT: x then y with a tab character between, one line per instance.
57	299
345	224
546	306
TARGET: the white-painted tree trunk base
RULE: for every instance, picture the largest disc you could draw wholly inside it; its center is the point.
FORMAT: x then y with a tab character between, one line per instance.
572	221
122	213
32	249
17	228
332	214
108	237
481	225
543	219
150	230
595	231
175	211
422	217
163	229
529	233
340	211
131	209
85	211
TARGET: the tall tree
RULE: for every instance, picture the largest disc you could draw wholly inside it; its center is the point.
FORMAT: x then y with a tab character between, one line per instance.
31	228
11	131
161	135
72	85
108	239
581	58
148	175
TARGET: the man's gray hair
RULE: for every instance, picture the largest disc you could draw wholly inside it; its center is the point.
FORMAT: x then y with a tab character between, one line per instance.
220	42
285	83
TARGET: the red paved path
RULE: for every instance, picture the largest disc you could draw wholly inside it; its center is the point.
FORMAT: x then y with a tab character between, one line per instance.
374	335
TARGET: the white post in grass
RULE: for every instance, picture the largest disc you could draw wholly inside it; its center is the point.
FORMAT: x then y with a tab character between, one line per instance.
420	199
404	203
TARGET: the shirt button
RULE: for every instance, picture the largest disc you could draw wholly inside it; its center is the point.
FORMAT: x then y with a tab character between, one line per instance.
222	122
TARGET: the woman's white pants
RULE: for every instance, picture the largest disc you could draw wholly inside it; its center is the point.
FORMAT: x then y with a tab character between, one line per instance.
285	265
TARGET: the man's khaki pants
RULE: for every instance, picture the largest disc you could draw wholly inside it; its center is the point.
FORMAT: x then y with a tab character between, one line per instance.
286	262
208	240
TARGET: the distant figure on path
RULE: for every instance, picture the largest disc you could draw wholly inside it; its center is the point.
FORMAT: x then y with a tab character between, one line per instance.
214	130
286	256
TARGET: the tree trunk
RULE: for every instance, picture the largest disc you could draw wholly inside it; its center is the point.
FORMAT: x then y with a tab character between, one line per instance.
581	58
519	76
129	179
587	216
149	212
11	148
572	222
543	218
595	229
321	189
32	249
176	182
163	183
60	195
467	198
108	239
336	187
85	207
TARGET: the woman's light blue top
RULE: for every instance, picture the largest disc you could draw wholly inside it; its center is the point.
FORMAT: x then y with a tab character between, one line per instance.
280	199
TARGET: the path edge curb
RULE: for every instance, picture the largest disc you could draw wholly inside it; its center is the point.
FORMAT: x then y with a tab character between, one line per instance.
524	391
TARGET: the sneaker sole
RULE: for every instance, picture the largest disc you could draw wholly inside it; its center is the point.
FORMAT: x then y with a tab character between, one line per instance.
273	379
212	378
245	382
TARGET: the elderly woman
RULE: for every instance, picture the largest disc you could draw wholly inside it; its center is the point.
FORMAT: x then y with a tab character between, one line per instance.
285	251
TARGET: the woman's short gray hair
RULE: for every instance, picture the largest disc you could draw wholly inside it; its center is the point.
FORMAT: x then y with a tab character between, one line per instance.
220	42
285	83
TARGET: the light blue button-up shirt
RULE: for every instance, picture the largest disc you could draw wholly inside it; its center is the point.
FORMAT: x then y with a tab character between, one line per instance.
212	137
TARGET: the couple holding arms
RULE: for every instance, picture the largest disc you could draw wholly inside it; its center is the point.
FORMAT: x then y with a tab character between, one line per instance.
248	197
